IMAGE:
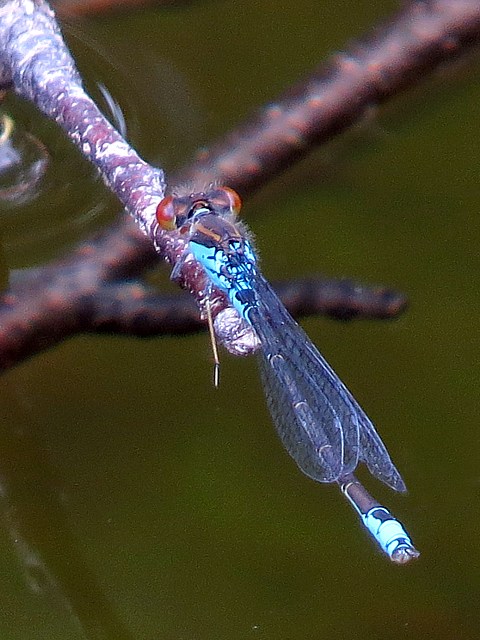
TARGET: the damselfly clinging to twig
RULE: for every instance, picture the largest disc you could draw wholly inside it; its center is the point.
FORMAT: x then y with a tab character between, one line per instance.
320	423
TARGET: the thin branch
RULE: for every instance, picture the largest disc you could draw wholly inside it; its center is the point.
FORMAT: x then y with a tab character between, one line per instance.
82	293
340	93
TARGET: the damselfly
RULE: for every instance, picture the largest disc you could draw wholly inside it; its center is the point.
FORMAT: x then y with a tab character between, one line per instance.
319	422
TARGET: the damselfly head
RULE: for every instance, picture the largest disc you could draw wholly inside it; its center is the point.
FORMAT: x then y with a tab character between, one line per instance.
178	212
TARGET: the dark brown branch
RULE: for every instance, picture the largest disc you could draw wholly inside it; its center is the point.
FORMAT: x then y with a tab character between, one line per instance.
84	294
55	301
337	95
134	309
340	299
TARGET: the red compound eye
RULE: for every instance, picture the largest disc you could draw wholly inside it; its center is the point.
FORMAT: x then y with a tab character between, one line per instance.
233	198
166	213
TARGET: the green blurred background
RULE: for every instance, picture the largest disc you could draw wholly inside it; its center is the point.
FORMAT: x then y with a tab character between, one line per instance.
141	503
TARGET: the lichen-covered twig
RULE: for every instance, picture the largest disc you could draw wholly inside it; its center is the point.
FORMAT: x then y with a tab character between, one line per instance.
36	62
